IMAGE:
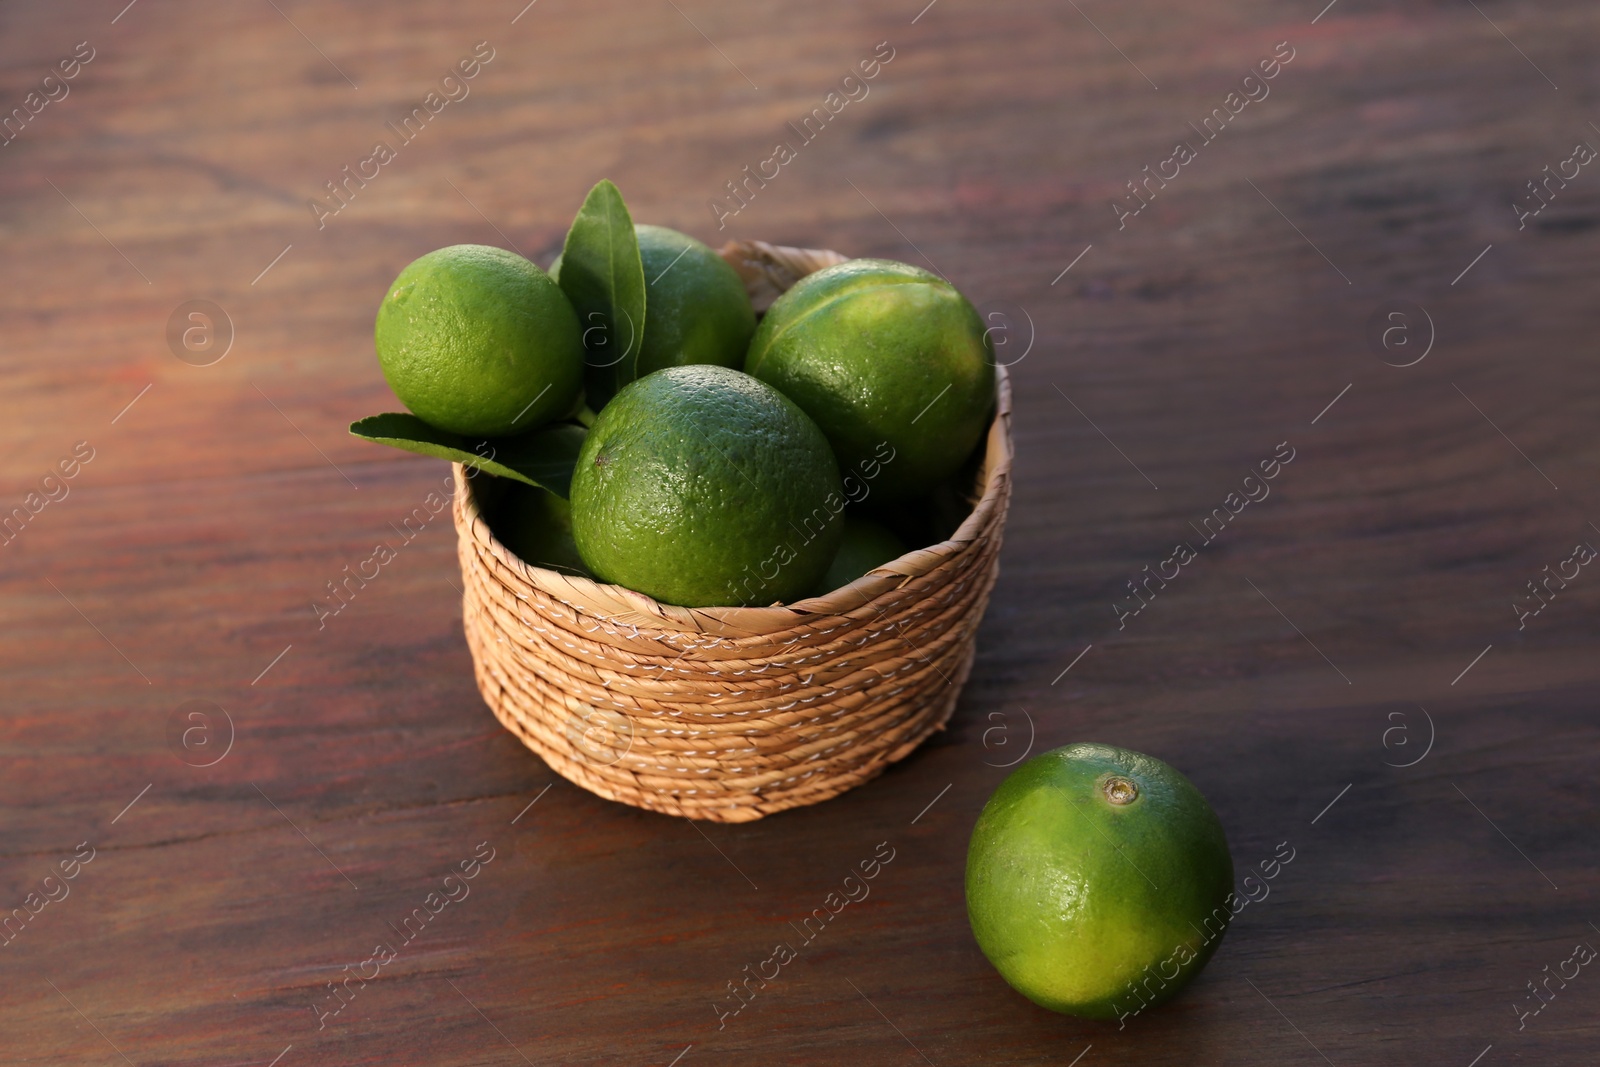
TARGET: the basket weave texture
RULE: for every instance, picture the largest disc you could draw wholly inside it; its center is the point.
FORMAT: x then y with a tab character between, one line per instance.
732	713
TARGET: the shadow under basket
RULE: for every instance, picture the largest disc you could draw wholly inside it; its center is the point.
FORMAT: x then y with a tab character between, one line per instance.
731	714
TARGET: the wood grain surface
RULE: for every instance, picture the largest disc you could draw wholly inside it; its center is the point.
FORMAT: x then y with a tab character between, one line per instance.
1361	617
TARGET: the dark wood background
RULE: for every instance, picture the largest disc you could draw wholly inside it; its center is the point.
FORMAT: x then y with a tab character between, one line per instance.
1176	353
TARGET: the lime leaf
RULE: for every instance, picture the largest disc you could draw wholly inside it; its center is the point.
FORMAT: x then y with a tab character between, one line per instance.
544	458
603	276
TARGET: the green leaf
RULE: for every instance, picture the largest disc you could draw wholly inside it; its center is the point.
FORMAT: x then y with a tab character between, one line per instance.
603	276
544	458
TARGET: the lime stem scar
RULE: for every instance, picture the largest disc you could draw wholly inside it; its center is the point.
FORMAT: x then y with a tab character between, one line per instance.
1119	790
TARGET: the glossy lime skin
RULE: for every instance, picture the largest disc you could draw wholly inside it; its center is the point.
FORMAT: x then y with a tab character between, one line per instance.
877	351
696	309
479	341
866	544
1092	908
702	486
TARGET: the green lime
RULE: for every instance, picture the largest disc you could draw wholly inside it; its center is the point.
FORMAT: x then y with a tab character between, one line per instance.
477	340
701	486
537	525
934	516
891	361
696	310
1098	881
866	544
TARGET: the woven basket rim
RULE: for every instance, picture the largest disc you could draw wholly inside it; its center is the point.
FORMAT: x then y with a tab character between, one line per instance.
620	604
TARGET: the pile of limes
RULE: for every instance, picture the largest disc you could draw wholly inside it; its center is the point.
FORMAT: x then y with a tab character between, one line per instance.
660	437
650	430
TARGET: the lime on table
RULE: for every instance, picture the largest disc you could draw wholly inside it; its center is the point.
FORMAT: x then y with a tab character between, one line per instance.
702	486
477	340
1098	881
891	361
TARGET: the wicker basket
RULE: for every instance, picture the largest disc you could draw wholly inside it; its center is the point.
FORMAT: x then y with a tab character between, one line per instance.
731	714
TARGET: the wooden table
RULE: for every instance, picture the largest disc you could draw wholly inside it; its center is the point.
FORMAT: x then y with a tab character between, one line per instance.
1342	668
